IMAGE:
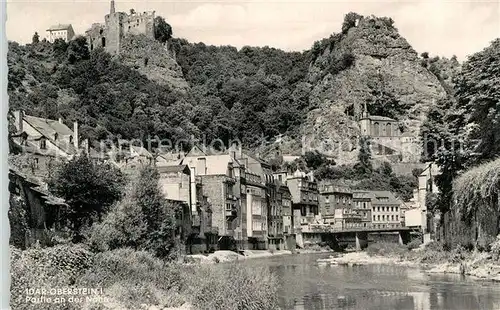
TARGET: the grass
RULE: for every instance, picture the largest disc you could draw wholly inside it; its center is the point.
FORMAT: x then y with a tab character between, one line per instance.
130	279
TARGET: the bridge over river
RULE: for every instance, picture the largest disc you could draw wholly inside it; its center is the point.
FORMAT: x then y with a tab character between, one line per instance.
328	233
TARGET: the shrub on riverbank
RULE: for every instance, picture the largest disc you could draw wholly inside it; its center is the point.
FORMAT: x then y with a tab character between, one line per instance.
130	279
45	268
432	253
386	249
232	287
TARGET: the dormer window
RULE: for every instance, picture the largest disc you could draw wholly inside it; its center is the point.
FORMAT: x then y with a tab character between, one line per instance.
43	144
70	139
55	136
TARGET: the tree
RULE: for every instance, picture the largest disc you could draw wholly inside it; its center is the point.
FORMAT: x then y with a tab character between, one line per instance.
78	50
364	164
60	48
18	219
163	31
385	169
36	38
88	187
424	55
350	21
143	220
315	159
477	90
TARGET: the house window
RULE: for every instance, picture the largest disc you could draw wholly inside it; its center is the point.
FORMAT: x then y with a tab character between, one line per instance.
36	163
103	42
392	209
397	217
378	209
43	144
392	217
396	209
228	207
303	211
383	217
378	217
327	199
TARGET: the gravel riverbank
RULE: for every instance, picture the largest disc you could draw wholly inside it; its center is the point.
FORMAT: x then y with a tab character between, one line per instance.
477	265
230	256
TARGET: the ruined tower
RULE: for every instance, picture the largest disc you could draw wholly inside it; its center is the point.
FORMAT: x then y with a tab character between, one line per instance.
116	26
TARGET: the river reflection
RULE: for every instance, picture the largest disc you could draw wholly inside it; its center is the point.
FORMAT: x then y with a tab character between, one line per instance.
305	285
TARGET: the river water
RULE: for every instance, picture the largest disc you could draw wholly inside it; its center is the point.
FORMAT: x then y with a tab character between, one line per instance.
307	285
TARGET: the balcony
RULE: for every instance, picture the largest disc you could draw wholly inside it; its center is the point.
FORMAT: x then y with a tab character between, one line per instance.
231	213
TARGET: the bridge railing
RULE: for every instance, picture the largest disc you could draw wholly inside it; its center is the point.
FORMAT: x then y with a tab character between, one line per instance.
332	229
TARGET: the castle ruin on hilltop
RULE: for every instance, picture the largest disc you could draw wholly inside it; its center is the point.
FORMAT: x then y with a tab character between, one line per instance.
116	26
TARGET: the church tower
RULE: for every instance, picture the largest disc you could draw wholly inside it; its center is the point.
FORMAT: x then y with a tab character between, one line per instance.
364	122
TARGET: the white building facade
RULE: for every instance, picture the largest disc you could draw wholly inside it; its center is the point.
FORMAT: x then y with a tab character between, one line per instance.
60	31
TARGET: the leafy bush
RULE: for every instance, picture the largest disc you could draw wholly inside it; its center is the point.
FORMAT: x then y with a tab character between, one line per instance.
386	249
349	21
38	268
434	246
232	287
414	244
134	278
495	248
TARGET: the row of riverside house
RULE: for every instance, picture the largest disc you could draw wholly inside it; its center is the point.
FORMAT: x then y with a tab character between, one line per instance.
229	200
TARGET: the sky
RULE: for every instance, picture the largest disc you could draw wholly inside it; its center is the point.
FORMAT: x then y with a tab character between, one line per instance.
442	28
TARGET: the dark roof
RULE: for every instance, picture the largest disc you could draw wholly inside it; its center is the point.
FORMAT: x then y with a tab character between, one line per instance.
174	169
385	194
48	128
381	118
59	27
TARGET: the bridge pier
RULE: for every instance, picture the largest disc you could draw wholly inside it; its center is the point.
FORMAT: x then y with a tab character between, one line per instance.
404	237
361	240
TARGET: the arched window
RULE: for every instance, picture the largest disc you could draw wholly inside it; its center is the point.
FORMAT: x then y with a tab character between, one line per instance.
376	129
388	129
103	42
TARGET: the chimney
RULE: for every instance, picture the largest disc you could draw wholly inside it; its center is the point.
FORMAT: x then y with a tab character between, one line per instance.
75	134
18	115
60	120
112	9
85	145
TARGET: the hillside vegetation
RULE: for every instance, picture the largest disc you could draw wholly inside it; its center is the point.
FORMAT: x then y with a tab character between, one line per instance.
179	90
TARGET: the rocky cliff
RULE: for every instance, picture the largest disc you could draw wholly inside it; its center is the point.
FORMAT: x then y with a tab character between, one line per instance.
369	62
152	59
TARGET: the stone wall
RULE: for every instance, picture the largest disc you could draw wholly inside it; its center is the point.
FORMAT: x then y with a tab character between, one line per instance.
116	25
213	188
176	185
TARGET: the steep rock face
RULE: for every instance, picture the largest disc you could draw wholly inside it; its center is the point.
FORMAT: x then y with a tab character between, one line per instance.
386	74
152	59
